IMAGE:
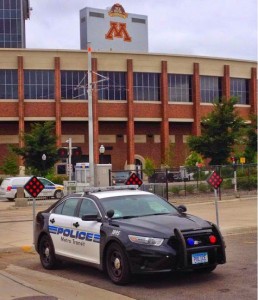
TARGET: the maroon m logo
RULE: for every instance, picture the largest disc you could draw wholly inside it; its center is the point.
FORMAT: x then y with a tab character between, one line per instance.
118	30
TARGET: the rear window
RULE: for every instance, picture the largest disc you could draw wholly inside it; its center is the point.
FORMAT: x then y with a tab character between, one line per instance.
5	182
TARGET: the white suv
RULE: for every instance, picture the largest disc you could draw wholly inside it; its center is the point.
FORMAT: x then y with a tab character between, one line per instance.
8	188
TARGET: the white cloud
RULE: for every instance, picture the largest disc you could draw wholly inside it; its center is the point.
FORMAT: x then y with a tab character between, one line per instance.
221	28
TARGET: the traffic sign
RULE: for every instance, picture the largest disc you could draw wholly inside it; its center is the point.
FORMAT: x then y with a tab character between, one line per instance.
133	180
215	180
34	186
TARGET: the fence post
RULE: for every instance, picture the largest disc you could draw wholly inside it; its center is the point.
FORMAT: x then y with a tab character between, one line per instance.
167	183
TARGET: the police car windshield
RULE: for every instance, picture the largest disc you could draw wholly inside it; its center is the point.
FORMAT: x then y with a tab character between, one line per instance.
130	206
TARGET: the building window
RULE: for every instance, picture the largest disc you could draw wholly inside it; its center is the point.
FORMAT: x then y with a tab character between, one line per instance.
211	90
8	84
11	23
74	85
111	85
39	84
239	87
146	86
179	88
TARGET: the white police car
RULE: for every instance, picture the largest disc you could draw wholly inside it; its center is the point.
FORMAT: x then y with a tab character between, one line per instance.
124	231
8	188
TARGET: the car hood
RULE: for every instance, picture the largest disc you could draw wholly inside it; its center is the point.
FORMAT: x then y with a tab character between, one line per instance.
161	225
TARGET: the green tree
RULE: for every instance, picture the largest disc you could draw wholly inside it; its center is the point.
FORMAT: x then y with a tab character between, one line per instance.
192	159
40	140
167	162
250	152
10	163
149	166
221	130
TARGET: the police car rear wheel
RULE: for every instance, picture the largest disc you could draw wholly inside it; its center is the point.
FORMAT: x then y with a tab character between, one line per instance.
58	194
117	264
46	252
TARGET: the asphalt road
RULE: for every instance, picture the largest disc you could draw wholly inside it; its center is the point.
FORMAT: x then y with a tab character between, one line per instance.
237	279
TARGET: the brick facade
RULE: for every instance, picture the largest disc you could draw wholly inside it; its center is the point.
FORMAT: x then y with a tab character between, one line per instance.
132	128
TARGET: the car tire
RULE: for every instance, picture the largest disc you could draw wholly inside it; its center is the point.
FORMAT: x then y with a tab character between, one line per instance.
206	269
58	194
117	265
47	253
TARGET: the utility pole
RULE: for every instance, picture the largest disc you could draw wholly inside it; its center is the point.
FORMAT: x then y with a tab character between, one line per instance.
90	118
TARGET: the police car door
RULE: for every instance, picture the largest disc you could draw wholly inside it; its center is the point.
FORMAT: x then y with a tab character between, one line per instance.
60	226
87	242
49	189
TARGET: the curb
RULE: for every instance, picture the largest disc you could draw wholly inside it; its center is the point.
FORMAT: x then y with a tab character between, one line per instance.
16	249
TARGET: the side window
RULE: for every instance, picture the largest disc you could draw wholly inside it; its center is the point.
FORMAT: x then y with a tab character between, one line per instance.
46	182
68	207
58	209
87	208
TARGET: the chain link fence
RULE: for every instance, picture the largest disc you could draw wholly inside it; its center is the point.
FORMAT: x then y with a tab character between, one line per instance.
190	181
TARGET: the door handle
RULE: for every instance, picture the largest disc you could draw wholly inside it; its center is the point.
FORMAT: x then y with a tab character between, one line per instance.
76	224
52	221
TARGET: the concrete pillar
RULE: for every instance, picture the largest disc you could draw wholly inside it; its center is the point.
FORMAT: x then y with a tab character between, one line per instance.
253	91
196	126
130	116
226	82
164	136
58	101
21	109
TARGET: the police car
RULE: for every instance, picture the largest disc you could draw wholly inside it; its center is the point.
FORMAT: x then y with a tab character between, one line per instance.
123	231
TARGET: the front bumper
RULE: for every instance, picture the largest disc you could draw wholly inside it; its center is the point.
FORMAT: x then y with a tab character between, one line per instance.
176	255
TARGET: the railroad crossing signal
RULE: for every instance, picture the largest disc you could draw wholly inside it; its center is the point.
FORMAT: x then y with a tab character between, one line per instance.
133	180
215	180
34	186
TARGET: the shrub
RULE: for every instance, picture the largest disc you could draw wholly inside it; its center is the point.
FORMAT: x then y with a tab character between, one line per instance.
57	179
203	188
227	184
246	183
190	189
176	190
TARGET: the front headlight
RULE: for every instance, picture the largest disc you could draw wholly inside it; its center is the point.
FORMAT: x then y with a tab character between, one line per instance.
145	240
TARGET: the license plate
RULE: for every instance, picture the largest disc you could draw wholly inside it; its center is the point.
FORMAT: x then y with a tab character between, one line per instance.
199	258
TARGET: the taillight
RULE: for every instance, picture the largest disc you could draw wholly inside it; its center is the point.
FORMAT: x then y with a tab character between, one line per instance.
212	239
9	188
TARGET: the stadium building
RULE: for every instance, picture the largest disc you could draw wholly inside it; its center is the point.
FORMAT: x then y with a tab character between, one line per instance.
142	103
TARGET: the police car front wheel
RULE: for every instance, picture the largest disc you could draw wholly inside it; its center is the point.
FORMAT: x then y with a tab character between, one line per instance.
117	265
46	252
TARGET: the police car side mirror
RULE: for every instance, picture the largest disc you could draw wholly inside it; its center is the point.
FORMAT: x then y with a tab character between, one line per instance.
110	213
182	208
94	217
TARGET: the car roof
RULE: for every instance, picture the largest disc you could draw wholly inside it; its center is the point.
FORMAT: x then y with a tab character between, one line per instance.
117	193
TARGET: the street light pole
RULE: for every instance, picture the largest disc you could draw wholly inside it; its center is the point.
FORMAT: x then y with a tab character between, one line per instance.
90	118
44	157
69	141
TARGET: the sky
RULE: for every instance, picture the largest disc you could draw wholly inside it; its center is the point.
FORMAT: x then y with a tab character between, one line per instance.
220	28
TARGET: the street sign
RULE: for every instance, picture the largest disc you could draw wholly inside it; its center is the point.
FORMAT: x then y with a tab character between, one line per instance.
133	180
34	186
215	180
242	160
